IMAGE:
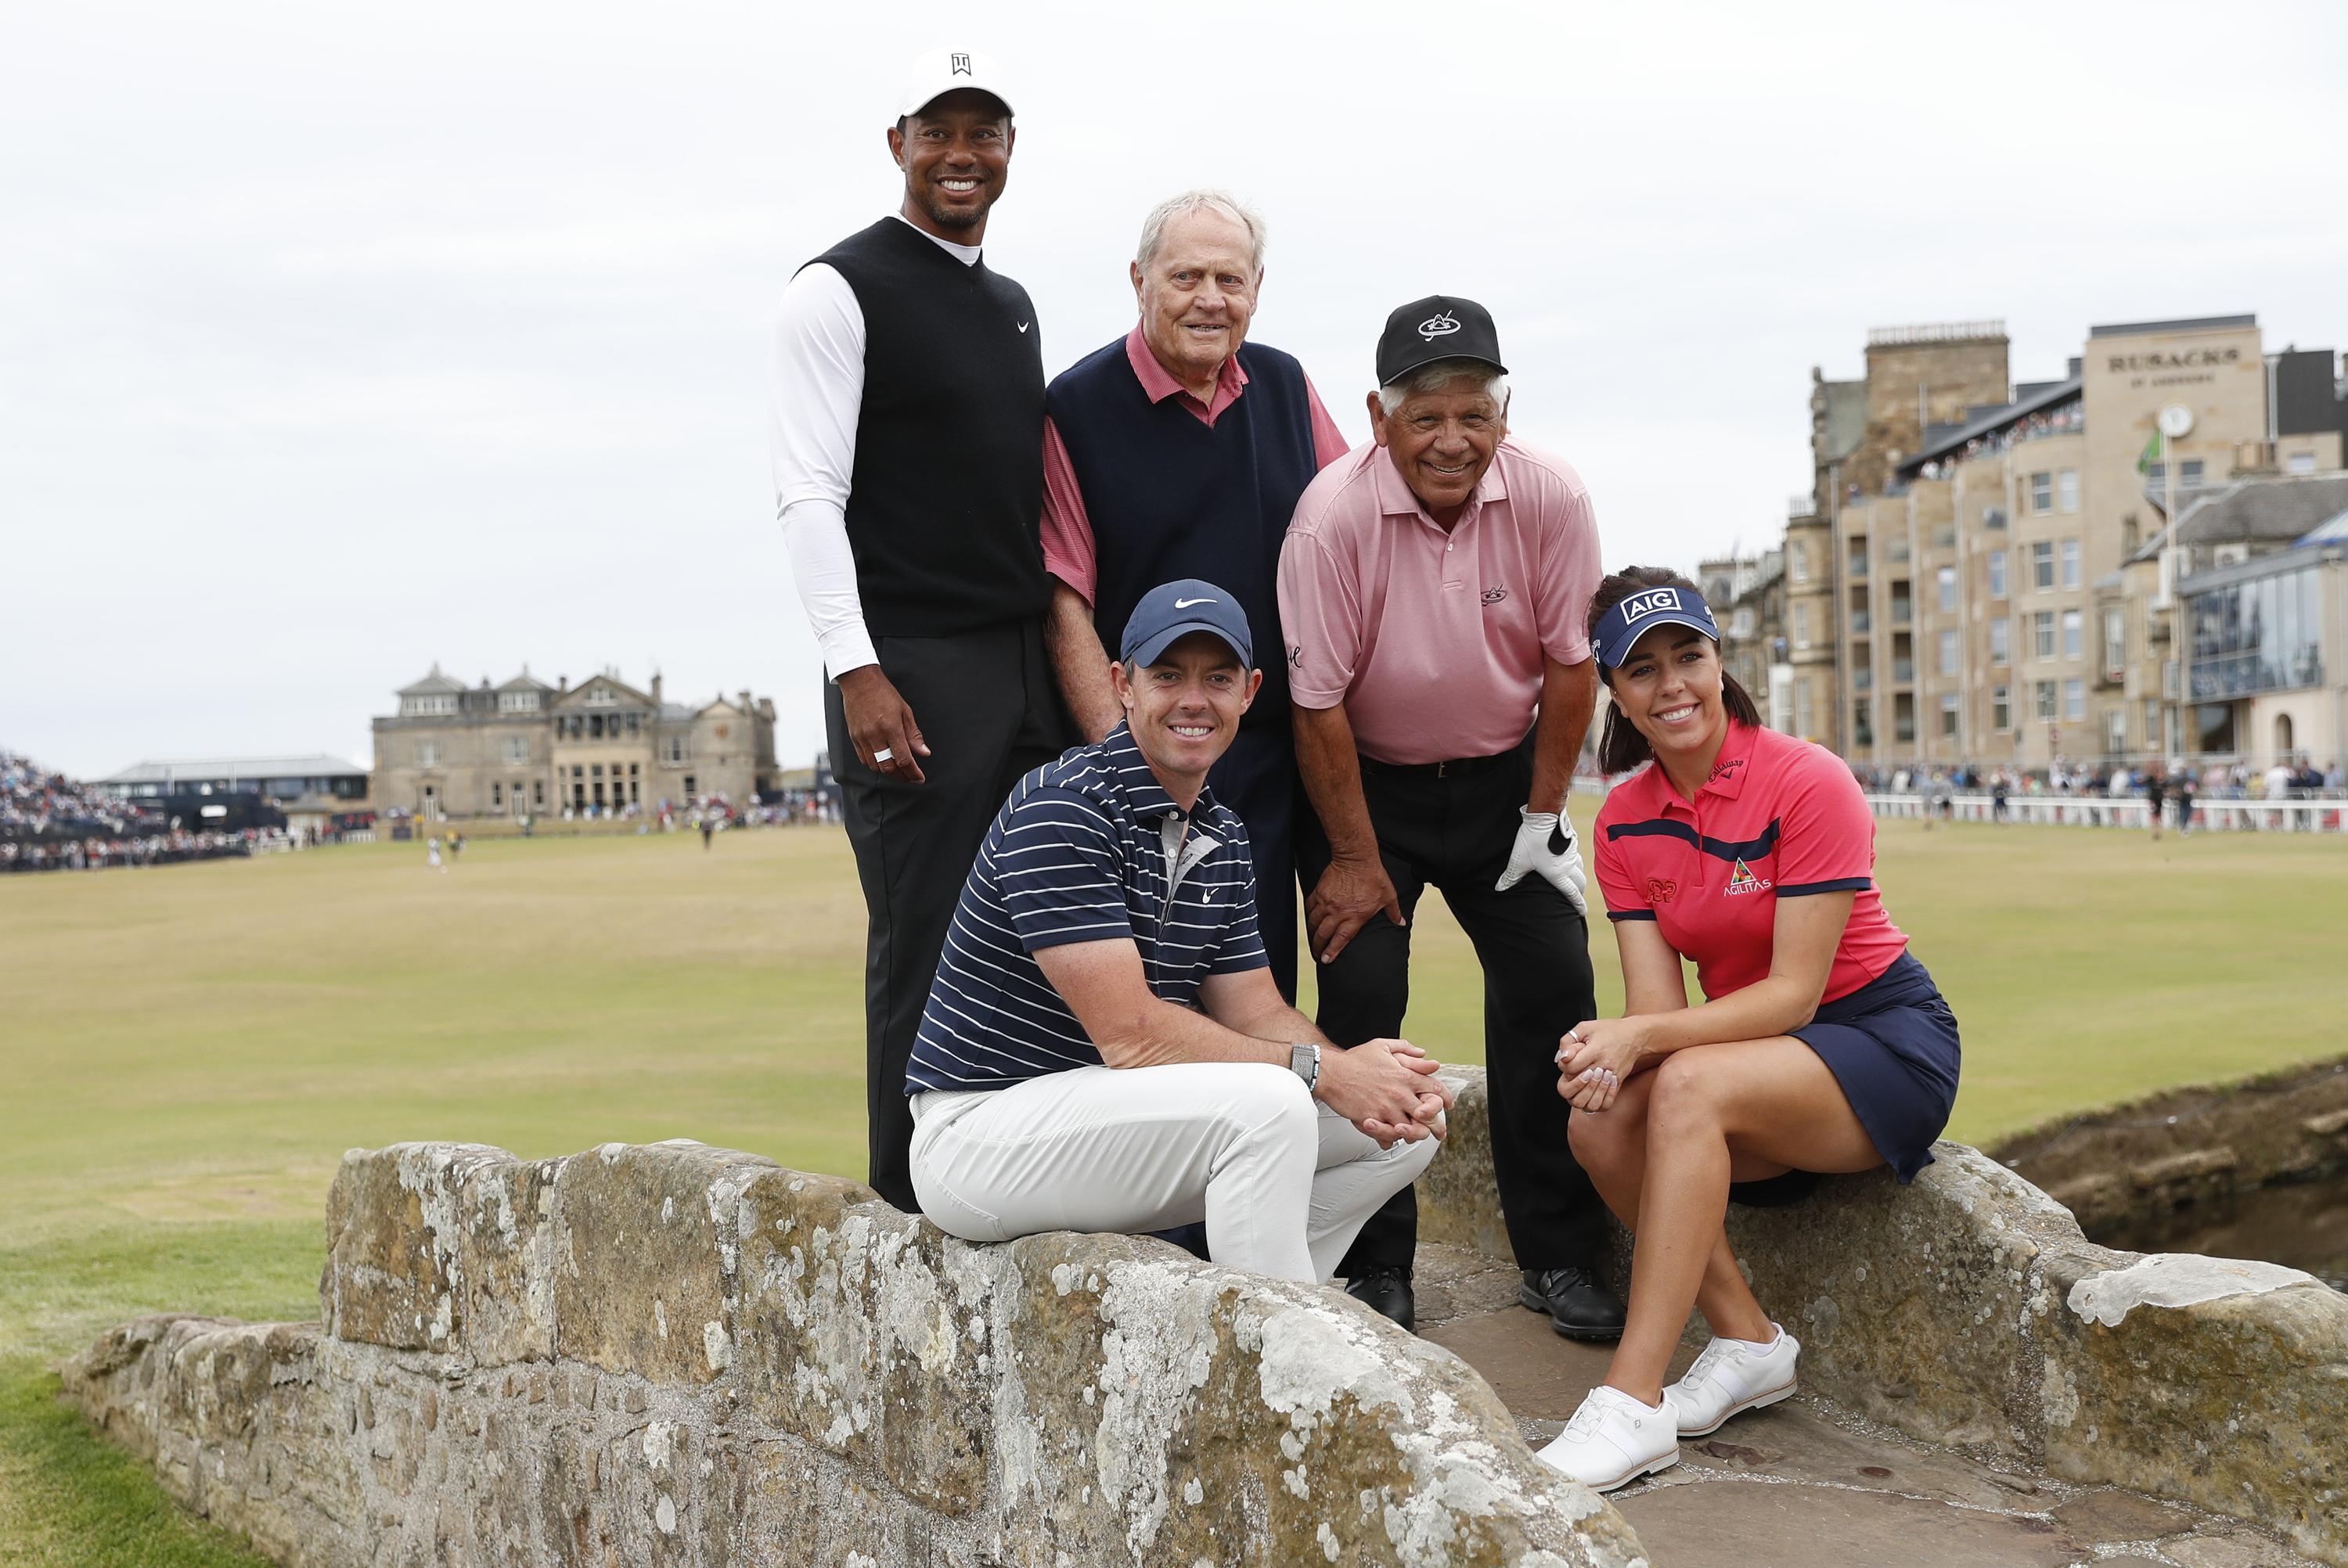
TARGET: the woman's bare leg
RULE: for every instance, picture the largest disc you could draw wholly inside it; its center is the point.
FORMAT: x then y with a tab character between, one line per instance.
1771	1100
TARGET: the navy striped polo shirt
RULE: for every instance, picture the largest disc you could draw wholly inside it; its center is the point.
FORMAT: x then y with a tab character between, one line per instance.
1088	848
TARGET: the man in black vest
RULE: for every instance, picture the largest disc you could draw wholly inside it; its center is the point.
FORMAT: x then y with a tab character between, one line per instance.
908	416
1179	451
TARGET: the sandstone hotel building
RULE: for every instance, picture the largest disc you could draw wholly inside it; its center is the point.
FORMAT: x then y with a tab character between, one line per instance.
1985	571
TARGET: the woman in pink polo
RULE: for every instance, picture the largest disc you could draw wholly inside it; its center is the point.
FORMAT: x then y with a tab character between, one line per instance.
1822	1045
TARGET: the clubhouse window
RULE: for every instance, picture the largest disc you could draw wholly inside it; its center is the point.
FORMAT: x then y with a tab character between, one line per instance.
2000	641
2070	563
2045	691
1949	715
2074	699
1997	574
2067	484
2041	492
2074	635
1944	582
2001	708
1947	653
2042	628
2042	564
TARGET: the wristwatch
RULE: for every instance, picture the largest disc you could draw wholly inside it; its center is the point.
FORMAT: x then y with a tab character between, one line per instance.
1304	1061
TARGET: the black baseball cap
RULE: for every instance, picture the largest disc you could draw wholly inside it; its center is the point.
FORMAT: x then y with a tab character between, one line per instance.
1441	326
1172	610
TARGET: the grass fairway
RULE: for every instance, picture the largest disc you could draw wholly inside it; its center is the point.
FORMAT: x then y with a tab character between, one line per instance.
188	1050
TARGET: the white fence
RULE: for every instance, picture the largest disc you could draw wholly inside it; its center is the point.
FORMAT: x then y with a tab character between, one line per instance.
2130	811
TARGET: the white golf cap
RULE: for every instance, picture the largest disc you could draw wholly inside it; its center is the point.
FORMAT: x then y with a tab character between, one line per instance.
941	71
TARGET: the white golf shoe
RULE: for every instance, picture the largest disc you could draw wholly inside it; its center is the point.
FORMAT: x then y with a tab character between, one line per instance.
1731	1377
1613	1440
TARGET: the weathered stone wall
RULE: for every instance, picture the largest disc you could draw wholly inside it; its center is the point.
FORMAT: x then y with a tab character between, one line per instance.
674	1355
1967	1309
2184	1146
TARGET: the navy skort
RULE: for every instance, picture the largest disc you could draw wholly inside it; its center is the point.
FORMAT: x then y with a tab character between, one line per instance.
1892	1046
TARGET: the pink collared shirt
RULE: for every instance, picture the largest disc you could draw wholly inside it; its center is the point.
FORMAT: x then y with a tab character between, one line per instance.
1068	552
1433	641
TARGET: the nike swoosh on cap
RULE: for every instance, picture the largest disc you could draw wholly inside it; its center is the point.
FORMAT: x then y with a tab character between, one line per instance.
1186	603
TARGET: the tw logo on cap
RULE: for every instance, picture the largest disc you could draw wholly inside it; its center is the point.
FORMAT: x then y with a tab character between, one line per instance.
1434	327
959	65
1651	601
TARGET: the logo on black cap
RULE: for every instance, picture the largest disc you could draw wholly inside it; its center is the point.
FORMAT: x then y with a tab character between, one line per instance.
1434	327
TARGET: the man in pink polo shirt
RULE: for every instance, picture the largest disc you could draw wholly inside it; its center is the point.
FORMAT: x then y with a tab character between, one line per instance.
1179	451
1432	588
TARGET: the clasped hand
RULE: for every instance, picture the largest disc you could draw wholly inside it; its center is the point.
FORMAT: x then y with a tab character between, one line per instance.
1388	1089
1596	1058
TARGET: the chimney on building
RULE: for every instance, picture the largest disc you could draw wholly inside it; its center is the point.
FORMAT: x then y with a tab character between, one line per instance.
561	684
747	706
657	688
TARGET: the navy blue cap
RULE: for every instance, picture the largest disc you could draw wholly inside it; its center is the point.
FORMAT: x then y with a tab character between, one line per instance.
1173	610
1619	629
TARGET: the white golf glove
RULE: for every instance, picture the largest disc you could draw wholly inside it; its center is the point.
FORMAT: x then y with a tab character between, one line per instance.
1535	851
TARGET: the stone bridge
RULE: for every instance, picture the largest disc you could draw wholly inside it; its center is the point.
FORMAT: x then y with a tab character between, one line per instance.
678	1354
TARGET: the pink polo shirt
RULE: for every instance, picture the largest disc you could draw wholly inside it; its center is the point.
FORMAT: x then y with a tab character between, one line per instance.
1779	818
1433	641
1068	552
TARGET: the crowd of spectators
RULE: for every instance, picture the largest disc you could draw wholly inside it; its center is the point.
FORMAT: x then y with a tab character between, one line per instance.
51	822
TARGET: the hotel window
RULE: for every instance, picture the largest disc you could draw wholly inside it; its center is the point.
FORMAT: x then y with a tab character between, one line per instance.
2074	699
1945	579
517	748
1948	653
673	749
2074	635
1798	560
538	791
2000	641
2115	640
1997	574
2116	730
1862	722
1801	626
2042	633
1949	715
497	795
2041	492
427	754
1802	708
2042	564
2045	693
2070	563
2067	487
2001	708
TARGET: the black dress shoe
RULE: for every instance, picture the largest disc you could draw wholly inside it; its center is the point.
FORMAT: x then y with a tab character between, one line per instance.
1387	1289
1579	1305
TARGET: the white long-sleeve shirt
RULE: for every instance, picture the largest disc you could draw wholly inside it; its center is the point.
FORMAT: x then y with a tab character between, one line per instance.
815	386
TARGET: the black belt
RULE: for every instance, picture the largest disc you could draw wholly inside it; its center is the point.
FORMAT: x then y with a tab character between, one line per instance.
1454	768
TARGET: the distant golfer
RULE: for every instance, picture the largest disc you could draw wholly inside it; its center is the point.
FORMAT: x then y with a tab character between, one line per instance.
432	855
2156	786
708	827
1822	1044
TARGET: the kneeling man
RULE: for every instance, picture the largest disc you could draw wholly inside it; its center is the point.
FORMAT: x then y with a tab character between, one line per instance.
1104	1047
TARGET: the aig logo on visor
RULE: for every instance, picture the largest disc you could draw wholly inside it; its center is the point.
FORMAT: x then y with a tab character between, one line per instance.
1648	603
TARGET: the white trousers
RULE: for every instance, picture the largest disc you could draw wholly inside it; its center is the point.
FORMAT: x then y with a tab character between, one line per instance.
1282	1180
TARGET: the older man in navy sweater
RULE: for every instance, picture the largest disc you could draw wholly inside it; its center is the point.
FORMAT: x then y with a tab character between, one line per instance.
1180	450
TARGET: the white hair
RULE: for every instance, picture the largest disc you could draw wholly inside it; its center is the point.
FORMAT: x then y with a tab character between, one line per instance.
1153	228
1439	376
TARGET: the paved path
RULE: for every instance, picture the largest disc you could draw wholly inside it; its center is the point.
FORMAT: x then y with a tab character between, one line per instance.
1806	1483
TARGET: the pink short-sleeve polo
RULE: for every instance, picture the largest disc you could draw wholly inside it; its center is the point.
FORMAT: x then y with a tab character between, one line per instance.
1779	819
1435	641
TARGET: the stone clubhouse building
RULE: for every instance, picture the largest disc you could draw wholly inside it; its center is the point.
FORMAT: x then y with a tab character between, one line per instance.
603	747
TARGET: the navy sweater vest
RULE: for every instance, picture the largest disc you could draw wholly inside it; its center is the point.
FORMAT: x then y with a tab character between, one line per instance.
1168	497
946	500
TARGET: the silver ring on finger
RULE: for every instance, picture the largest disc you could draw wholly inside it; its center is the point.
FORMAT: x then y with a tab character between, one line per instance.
883	755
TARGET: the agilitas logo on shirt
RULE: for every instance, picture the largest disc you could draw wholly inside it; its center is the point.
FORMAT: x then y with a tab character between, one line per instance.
1742	880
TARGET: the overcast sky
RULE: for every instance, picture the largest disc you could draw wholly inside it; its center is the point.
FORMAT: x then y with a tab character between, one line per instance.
334	344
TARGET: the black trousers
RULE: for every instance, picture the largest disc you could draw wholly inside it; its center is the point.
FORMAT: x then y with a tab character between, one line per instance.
989	708
1257	779
1454	833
